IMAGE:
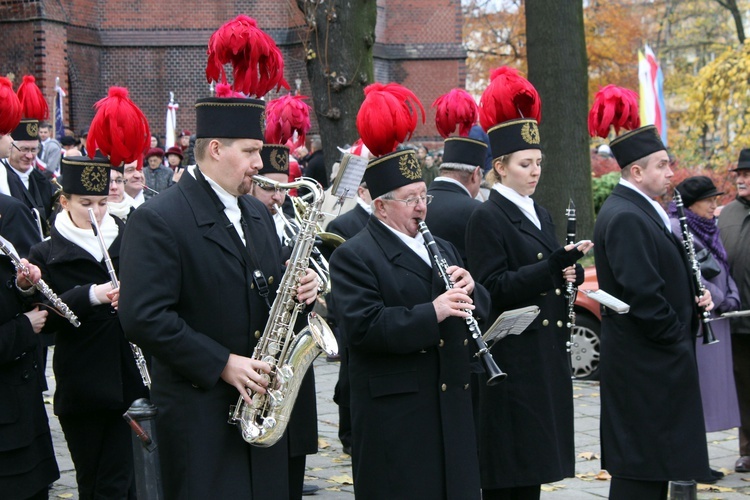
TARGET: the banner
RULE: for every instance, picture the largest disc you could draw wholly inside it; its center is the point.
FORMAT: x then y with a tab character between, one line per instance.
59	125
170	131
651	91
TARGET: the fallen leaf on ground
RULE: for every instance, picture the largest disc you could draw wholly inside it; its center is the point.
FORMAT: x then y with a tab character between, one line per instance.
342	479
323	444
588	455
714	488
64	495
603	475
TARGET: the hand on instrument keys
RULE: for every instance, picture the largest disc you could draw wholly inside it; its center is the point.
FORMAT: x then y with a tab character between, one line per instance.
102	292
452	303
461	279
114	297
26	279
243	374
569	274
705	300
307	291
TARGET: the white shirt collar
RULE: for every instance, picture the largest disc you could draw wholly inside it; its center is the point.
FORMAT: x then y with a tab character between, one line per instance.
524	203
415	244
138	199
657	206
231	208
24	176
365	206
452	181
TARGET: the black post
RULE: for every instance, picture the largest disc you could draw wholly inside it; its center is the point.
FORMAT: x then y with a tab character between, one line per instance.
683	490
141	417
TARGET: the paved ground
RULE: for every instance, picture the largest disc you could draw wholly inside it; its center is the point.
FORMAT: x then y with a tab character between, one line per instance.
331	468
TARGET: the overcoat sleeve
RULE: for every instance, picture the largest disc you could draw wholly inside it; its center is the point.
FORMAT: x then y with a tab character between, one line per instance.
634	269
147	306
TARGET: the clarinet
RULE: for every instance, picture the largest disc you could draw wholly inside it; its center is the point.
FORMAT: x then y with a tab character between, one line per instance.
687	241
140	359
40	285
495	374
570	289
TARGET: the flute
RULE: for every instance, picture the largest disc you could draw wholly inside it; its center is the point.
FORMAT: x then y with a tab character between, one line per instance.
494	373
687	240
40	285
140	359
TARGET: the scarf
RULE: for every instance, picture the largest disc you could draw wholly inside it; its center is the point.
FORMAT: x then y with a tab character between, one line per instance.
121	209
85	238
707	231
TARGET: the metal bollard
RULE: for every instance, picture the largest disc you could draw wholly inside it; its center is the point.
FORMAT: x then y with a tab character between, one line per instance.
683	490
141	418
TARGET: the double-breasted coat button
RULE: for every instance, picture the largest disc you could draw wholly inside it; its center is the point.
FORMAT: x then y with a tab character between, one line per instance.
557	291
466	341
466	387
194	386
252	286
559	324
539	256
441	343
257	334
545	322
543	294
270	280
25	376
444	387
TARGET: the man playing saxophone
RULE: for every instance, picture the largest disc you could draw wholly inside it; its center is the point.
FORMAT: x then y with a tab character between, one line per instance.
188	297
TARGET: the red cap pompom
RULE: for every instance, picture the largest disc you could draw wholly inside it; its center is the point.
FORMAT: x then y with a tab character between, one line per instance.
33	104
509	96
225	90
456	108
387	117
119	129
613	107
285	116
10	107
256	60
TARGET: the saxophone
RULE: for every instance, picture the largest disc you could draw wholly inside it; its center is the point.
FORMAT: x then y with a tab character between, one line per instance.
263	422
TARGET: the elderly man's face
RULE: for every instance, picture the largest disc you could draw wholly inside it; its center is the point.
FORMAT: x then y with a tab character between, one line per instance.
743	184
22	154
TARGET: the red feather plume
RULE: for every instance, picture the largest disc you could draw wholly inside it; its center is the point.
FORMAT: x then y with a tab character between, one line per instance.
387	117
256	61
285	116
509	96
613	107
33	103
455	109
119	129
10	107
225	90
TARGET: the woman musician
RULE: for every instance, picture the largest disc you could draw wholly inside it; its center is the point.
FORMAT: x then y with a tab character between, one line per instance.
96	374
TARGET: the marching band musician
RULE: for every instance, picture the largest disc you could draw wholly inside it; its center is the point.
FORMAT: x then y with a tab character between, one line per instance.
525	423
97	378
652	428
196	309
412	426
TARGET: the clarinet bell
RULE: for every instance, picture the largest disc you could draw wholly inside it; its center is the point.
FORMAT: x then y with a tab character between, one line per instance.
708	334
494	374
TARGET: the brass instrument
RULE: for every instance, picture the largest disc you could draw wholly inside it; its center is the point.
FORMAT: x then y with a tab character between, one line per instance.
494	373
40	285
140	360
687	242
263	422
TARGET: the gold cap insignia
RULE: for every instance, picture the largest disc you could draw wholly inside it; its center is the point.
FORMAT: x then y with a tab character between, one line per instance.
530	133
32	129
279	160
94	178
409	167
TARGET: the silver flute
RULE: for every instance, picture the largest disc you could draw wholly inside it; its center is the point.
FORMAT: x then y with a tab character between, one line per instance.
140	359
40	285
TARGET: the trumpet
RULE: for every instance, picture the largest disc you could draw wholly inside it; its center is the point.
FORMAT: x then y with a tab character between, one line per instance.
140	359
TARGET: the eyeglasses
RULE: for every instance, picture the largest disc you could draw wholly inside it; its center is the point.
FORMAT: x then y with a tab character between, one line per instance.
25	151
413	202
118	181
270	189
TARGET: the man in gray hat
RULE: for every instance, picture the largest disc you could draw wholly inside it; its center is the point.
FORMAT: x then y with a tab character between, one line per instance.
735	234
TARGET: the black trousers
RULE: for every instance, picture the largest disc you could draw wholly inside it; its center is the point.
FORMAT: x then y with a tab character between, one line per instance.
100	446
630	489
741	359
517	493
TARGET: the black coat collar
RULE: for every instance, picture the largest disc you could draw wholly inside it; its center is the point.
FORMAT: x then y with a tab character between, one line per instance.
396	250
545	236
449	187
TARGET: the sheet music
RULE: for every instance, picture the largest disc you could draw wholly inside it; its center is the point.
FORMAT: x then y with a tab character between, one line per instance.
511	322
349	177
607	300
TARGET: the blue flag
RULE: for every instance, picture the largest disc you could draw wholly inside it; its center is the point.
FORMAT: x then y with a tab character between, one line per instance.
59	105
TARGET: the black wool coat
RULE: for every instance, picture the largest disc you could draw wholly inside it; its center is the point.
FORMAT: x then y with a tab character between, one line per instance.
17	225
38	195
94	365
188	298
525	422
27	459
350	223
449	213
652	420
412	424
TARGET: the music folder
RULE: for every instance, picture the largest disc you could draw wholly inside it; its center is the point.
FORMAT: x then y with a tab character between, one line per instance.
511	322
607	300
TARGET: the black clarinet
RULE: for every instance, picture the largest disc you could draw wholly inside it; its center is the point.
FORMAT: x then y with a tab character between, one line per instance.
687	241
494	373
570	289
